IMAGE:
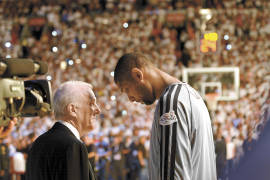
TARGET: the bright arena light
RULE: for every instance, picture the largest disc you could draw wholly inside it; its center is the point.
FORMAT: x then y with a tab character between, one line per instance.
124	112
8	56
208	16
63	65
83	45
229	47
8	44
226	37
49	77
54	49
125	25
70	62
112	74
54	33
113	98
205	11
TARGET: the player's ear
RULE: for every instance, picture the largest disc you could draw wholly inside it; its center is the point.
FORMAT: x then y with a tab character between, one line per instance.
137	74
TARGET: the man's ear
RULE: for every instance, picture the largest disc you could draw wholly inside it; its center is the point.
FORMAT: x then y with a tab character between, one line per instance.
137	74
71	109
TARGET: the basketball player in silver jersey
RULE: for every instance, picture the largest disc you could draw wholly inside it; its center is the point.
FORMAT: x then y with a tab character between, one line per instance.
181	144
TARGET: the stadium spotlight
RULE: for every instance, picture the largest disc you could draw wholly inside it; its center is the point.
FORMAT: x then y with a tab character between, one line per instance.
226	37
206	14
7	44
63	65
229	47
83	45
70	62
54	49
54	33
49	77
125	25
124	112
113	98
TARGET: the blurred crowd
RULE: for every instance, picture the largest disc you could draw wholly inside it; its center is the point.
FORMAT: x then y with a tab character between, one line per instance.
82	41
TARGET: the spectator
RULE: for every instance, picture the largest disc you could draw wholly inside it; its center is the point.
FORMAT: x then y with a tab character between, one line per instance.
246	23
220	149
4	161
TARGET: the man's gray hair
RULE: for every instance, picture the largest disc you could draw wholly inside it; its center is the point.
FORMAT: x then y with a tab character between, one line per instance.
68	92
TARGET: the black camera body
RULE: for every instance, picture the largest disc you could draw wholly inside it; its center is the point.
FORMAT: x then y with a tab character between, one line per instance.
23	98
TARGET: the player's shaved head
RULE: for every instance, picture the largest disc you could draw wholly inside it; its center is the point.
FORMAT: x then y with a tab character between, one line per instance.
126	63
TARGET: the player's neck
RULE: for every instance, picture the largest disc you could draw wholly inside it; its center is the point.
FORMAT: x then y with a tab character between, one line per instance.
162	81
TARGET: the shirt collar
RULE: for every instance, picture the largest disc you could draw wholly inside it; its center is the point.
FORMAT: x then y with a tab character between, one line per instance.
71	128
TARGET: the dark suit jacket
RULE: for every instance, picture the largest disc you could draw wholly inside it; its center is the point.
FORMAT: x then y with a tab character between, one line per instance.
58	155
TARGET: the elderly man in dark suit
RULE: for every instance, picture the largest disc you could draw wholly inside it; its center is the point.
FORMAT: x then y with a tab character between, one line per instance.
59	154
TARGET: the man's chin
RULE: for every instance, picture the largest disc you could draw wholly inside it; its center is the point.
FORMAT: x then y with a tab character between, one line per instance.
91	126
88	129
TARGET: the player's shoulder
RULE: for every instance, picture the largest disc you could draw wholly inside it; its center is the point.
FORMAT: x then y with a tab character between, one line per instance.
193	92
172	90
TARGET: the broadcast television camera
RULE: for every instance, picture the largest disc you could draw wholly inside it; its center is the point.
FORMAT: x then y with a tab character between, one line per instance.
23	98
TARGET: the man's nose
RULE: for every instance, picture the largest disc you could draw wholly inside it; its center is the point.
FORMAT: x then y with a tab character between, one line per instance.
97	110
